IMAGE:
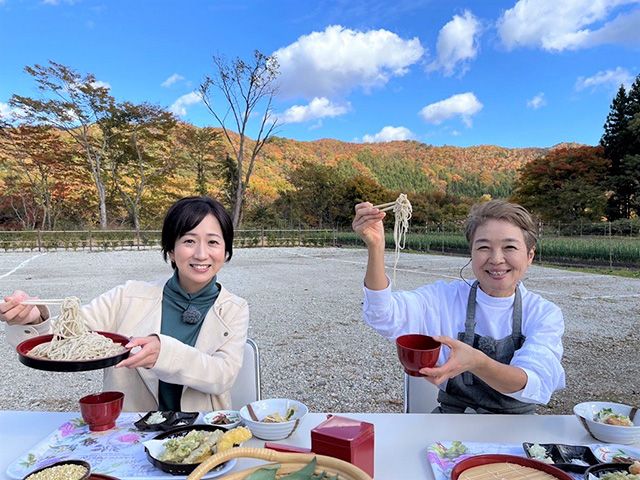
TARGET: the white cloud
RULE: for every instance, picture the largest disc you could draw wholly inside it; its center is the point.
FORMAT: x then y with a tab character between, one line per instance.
171	80
179	107
5	110
568	24
101	84
463	105
537	101
338	60
317	108
607	79
389	134
8	113
457	44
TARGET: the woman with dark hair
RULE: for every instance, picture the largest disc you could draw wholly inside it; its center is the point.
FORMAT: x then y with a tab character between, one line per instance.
502	344
189	331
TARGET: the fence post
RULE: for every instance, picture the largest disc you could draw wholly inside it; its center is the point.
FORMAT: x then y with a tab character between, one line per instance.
138	237
262	235
540	230
610	248
90	241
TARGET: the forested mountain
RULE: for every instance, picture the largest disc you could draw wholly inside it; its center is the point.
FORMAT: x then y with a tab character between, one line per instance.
45	183
402	165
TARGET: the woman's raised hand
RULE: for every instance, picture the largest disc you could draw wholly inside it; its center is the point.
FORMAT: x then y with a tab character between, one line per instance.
368	224
146	357
13	312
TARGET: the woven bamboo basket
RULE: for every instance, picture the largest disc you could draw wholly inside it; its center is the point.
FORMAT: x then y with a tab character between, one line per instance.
290	462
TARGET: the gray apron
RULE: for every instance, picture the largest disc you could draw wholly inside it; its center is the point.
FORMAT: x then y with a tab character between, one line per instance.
467	390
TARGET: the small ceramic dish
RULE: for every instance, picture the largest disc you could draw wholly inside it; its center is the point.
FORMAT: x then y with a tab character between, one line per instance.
599	470
219	417
153	449
81	463
612	453
570	458
171	420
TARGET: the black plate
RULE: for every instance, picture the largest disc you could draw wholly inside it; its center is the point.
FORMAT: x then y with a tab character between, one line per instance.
69	366
173	419
601	469
66	462
562	456
180	468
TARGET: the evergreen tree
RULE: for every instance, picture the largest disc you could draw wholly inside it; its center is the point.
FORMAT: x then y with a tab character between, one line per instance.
618	143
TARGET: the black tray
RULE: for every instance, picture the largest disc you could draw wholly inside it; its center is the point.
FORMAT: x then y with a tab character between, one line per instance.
180	468
173	419
25	347
562	455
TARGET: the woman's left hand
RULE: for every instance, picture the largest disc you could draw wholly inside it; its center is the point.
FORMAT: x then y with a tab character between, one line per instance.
146	357
462	358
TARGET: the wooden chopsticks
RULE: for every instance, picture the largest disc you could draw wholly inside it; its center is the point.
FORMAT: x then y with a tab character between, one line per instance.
40	302
385	206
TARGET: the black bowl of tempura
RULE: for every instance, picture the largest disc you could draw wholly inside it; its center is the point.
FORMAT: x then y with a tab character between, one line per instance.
180	450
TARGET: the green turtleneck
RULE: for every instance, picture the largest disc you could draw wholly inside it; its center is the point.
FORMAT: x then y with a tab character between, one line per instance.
175	301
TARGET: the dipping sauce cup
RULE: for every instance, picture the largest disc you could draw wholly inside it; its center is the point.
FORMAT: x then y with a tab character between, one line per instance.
101	410
417	351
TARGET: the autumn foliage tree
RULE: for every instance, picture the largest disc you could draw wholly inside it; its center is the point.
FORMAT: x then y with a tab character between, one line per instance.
142	148
568	184
243	87
77	105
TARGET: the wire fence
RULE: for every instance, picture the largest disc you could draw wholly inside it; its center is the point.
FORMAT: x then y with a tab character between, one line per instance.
565	244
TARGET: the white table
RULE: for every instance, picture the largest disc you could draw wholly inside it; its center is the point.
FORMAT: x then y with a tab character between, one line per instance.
401	440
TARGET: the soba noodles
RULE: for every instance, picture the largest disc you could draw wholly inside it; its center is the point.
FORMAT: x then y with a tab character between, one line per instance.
403	210
72	340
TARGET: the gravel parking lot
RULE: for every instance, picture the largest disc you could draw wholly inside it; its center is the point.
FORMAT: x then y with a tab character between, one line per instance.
306	317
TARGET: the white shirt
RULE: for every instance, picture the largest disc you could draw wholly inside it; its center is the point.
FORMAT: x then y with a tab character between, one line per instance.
440	309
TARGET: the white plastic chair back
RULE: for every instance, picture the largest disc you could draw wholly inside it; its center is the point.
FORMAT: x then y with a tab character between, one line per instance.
420	396
247	387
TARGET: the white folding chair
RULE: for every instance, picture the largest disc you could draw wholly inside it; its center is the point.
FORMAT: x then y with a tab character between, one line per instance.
247	387
420	396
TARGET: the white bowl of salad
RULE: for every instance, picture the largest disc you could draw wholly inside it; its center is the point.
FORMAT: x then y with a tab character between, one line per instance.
274	418
610	422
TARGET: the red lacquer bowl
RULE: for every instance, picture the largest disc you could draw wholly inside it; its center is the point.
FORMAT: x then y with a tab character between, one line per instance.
417	351
101	410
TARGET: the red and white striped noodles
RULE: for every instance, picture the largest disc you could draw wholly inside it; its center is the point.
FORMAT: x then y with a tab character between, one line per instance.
72	340
402	209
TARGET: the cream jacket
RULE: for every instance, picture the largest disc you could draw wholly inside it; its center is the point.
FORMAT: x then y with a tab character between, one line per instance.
206	370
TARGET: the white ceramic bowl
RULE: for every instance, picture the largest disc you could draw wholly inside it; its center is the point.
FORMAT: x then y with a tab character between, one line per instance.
587	411
232	415
273	431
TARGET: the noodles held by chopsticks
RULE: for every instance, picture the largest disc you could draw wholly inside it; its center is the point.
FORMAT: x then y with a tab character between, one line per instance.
72	340
403	211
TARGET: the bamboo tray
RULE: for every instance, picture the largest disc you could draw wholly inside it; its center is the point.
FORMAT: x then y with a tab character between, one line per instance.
290	462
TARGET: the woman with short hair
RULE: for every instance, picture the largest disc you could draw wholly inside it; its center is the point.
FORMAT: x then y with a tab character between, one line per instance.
502	344
189	329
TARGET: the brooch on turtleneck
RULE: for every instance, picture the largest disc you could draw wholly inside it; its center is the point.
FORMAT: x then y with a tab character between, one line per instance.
191	315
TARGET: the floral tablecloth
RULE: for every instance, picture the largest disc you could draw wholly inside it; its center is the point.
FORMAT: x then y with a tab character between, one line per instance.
117	452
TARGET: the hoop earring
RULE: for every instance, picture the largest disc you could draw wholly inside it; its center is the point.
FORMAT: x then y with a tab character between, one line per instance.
462	277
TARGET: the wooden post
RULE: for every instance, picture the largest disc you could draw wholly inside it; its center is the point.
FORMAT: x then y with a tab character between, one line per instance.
90	241
262	235
39	240
138	237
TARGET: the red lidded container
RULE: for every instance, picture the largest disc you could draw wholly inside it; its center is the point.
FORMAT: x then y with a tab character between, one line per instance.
346	439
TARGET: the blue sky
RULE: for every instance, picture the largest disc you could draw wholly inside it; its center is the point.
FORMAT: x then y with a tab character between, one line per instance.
513	73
